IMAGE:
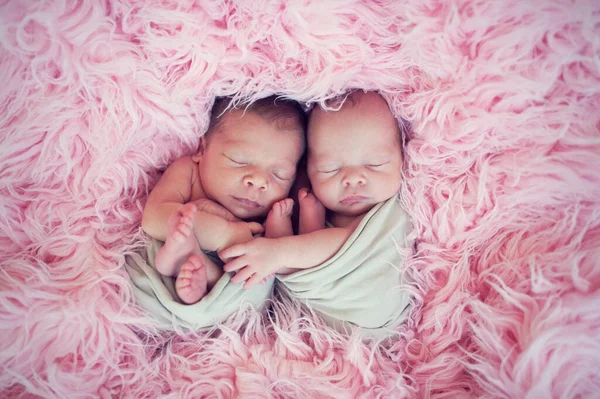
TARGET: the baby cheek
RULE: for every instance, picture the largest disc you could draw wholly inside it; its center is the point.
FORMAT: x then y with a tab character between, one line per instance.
234	176
279	191
391	184
326	192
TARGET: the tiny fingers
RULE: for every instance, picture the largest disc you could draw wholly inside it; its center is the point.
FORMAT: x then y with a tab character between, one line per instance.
256	228
235	264
233	252
255	279
242	275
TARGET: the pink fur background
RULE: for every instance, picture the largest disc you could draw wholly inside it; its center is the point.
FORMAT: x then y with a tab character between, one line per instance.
502	181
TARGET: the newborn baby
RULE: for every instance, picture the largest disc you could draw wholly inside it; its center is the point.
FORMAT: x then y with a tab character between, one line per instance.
354	163
244	169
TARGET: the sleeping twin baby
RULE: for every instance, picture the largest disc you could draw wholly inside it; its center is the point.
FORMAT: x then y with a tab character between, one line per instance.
237	186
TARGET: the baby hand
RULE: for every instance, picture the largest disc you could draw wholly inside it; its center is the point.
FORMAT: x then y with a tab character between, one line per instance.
252	227
239	232
253	261
209	206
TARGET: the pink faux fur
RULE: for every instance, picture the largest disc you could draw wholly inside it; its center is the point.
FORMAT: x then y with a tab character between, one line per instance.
502	180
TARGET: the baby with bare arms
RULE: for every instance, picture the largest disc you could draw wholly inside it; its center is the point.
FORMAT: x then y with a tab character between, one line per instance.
354	163
242	172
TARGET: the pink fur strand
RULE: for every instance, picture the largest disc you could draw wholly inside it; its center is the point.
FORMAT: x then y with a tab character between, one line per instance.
502	181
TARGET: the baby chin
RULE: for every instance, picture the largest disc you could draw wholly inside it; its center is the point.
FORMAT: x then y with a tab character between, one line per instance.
353	208
246	211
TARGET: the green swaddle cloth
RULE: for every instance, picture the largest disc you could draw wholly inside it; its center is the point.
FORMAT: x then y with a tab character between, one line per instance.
361	284
156	293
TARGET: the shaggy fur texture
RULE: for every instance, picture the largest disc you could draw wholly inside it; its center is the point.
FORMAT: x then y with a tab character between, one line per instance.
502	180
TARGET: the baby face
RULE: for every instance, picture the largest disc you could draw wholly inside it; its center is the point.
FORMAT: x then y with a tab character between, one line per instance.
354	156
249	164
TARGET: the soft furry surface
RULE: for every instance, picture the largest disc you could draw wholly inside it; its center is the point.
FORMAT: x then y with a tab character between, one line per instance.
502	180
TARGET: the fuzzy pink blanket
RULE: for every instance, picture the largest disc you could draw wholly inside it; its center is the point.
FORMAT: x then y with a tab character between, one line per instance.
503	184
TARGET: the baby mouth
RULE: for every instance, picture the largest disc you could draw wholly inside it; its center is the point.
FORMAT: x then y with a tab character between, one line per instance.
354	199
247	202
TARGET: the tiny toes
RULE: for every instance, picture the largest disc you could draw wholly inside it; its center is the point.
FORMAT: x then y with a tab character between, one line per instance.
289	204
178	236
184	230
186	220
187	212
196	260
184	283
185	274
185	227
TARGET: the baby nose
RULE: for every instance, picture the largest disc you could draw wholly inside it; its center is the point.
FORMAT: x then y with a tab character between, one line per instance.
255	180
354	178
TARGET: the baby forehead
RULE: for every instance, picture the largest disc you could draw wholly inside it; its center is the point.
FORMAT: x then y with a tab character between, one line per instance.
246	149
366	115
354	133
357	145
274	147
352	150
354	104
254	129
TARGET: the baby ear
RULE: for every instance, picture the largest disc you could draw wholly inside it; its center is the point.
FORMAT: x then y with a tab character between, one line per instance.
201	148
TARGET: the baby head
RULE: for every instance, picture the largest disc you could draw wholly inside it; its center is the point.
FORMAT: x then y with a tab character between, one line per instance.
248	157
354	154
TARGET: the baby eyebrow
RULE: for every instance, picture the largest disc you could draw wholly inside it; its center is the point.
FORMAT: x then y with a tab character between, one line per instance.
282	166
234	154
237	159
326	168
326	163
378	162
285	165
284	171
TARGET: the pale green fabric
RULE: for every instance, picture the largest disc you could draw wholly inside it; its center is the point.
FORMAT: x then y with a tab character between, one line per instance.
361	284
156	293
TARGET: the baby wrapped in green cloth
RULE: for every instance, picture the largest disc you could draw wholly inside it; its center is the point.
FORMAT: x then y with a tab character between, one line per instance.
351	272
242	172
157	294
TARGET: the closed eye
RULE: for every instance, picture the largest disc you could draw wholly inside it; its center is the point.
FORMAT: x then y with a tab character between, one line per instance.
328	171
376	165
282	177
236	162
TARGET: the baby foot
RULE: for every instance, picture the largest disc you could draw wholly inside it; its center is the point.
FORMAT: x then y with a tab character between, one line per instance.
279	222
180	243
191	283
312	212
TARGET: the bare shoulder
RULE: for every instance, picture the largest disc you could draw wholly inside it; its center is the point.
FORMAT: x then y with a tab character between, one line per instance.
183	169
183	164
188	166
176	183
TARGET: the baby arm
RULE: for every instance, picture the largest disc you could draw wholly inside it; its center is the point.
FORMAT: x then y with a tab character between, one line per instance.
261	257
214	226
173	190
215	233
